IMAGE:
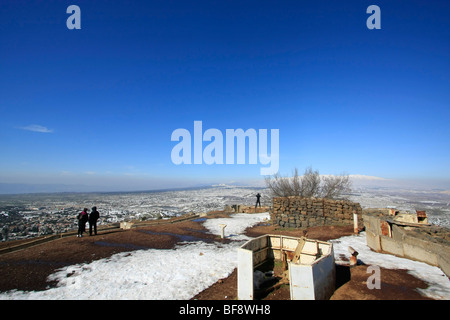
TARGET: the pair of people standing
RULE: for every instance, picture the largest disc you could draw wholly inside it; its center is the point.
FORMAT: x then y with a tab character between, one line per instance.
84	217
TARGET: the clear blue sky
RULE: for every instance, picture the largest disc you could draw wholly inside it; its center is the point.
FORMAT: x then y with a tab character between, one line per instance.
99	105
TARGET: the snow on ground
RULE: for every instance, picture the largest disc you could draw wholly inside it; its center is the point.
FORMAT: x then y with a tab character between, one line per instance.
144	274
439	285
236	225
180	273
154	274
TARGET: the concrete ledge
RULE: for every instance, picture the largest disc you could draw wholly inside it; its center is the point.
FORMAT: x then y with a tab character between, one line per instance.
420	254
443	261
427	244
392	246
23	244
28	244
373	241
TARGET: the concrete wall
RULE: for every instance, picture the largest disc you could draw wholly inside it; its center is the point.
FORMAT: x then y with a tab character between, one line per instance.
429	244
310	278
315	281
297	212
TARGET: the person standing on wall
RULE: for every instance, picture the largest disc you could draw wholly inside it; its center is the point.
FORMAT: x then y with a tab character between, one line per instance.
93	217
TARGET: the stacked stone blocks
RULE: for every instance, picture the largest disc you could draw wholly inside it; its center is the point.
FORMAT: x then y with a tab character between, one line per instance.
299	212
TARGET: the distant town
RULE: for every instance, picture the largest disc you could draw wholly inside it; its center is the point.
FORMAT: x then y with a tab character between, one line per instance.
25	216
31	215
20	222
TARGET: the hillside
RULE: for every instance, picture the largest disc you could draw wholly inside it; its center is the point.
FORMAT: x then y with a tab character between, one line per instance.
29	269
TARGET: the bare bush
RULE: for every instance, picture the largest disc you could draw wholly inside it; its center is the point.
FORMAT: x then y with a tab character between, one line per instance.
280	186
311	184
334	186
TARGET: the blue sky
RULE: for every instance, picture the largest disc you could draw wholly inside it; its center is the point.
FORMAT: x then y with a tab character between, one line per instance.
97	106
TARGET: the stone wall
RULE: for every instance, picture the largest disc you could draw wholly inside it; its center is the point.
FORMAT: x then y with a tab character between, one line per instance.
298	212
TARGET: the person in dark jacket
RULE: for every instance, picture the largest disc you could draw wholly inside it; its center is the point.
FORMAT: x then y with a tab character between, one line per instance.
82	219
93	217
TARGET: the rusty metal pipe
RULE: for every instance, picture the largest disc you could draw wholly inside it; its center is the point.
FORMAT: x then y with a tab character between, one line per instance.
354	255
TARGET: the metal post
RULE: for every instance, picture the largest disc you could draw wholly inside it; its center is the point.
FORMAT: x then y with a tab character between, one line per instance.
355	222
222	234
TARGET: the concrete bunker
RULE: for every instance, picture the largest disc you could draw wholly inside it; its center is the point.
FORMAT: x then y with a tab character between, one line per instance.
408	235
308	266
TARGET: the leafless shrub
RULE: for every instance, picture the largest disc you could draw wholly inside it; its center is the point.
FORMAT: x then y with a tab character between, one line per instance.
280	186
335	186
311	184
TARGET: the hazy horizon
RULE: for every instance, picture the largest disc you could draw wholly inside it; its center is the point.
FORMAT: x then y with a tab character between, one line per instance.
358	181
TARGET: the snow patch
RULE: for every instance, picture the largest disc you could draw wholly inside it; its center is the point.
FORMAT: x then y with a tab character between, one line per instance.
439	285
189	268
